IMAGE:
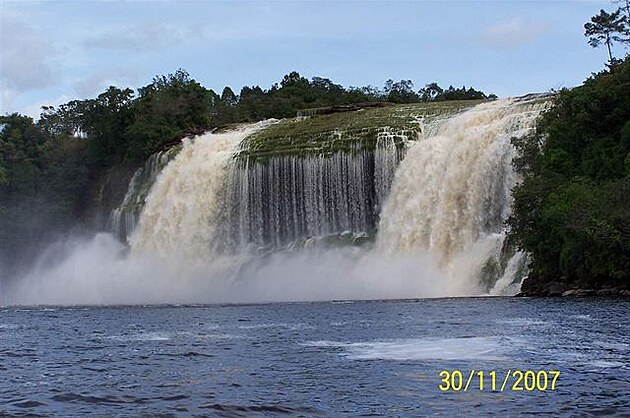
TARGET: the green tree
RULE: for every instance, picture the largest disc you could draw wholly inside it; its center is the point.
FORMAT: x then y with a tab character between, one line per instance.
604	28
67	119
228	97
624	10
106	119
400	92
43	183
165	109
253	104
430	92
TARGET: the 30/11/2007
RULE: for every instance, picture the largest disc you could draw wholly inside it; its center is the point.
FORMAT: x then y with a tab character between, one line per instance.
512	380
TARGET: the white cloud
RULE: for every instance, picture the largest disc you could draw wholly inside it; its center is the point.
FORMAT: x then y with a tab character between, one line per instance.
98	82
26	57
35	109
7	97
150	36
512	34
137	38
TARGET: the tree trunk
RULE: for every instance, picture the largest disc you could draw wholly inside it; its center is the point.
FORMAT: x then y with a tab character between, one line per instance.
608	42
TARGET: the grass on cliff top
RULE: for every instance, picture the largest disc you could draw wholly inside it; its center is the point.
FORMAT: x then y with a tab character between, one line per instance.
345	131
397	117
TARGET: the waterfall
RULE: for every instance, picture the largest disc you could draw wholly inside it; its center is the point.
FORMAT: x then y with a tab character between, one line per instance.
406	202
124	218
452	193
229	204
182	215
285	199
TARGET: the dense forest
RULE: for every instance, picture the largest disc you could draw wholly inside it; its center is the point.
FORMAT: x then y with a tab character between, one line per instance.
572	211
50	167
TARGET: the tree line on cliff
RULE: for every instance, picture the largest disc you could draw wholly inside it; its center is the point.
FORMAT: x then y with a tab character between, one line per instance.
119	125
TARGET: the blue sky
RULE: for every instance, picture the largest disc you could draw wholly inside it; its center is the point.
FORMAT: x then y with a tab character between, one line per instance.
56	51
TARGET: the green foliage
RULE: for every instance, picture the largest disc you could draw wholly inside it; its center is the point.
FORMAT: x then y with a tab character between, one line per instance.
572	211
606	28
434	93
43	179
118	126
103	121
166	108
400	92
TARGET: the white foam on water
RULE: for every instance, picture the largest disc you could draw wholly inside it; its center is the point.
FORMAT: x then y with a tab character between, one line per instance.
358	322
144	336
521	322
223	336
606	364
473	348
290	327
582	317
611	345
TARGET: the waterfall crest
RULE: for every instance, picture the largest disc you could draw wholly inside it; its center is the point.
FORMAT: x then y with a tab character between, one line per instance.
452	192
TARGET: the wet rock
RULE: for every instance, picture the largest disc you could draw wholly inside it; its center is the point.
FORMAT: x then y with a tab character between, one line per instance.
608	292
579	292
556	289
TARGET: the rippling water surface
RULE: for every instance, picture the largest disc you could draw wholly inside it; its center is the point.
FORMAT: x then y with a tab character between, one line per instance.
313	359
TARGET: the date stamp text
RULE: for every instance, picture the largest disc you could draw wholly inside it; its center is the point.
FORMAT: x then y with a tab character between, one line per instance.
498	381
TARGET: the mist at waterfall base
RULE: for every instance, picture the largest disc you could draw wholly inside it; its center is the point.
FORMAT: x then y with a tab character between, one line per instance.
99	272
440	224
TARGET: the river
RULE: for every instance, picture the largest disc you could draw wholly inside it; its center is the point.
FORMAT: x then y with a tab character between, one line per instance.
378	358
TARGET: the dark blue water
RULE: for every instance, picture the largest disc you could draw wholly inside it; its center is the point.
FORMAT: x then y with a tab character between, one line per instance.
314	359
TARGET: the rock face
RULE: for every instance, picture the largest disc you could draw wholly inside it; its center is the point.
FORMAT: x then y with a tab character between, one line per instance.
107	192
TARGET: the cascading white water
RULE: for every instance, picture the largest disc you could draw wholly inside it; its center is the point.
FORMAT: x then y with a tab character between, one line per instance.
452	192
124	218
288	198
182	215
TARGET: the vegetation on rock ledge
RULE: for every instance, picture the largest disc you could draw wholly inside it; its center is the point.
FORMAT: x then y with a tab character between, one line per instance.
345	132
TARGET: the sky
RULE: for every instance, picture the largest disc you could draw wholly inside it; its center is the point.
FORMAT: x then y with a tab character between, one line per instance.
52	52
